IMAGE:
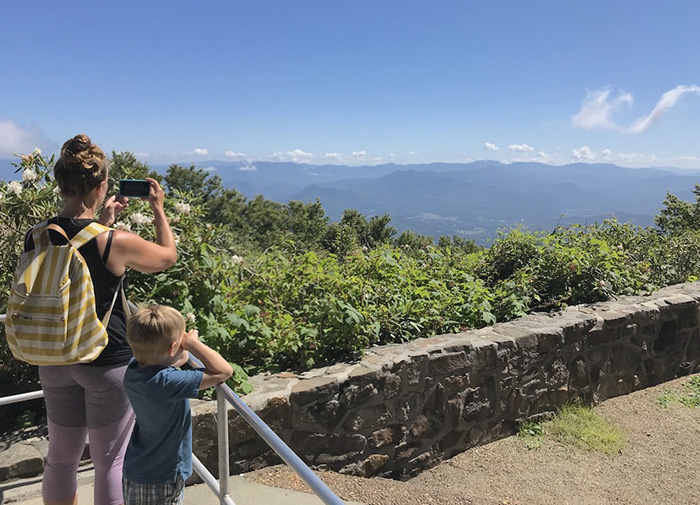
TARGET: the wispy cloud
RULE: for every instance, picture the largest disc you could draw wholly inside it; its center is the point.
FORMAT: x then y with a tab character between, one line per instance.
520	148
234	154
248	167
597	110
636	158
668	100
331	156
488	146
200	151
599	107
583	153
359	154
16	139
539	157
297	156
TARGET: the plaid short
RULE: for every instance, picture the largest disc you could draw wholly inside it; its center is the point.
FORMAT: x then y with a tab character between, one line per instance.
154	494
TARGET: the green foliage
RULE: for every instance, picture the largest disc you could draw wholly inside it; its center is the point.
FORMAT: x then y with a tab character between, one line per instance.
275	286
578	426
124	165
584	428
678	216
688	395
532	434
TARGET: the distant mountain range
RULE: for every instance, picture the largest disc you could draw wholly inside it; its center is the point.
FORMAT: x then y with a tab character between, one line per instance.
473	200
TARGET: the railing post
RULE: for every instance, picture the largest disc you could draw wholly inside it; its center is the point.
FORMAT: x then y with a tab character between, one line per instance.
222	425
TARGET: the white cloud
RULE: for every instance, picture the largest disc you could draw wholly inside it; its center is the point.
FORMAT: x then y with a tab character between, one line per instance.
297	156
488	146
142	155
684	158
598	109
248	167
667	101
636	157
606	154
358	154
520	148
392	155
200	151
331	156
543	157
412	153
234	154
16	139
584	153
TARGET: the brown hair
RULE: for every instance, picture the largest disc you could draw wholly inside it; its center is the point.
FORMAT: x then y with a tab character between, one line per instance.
81	167
152	330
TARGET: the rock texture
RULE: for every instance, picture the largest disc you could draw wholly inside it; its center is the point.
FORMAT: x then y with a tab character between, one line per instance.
403	408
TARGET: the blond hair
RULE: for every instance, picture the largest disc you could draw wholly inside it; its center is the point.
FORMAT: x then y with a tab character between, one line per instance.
81	167
152	330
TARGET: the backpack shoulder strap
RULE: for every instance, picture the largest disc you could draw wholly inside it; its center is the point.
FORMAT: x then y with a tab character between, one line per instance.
39	237
88	233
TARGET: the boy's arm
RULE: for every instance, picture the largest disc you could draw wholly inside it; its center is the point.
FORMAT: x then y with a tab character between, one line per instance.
216	368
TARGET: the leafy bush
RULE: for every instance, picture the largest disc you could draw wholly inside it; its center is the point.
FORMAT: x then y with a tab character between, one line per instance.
276	286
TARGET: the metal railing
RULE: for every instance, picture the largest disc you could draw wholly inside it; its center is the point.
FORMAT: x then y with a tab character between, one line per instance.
225	396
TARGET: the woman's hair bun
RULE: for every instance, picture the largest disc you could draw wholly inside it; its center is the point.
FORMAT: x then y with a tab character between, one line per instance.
81	167
81	151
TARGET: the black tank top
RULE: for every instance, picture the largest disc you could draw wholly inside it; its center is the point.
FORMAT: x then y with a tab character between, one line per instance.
106	285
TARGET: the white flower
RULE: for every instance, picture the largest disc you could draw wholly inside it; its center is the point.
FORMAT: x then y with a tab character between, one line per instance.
2	197
57	191
177	239
236	259
123	226
602	284
26	158
190	317
29	175
37	151
139	219
183	208
15	187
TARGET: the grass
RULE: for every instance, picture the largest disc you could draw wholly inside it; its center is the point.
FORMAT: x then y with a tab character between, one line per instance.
688	395
578	426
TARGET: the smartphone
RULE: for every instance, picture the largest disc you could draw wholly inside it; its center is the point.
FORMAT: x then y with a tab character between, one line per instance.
136	188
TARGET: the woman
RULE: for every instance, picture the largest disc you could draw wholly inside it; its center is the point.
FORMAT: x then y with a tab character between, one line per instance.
90	398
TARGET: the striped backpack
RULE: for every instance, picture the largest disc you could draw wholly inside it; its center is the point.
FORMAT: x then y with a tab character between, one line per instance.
51	315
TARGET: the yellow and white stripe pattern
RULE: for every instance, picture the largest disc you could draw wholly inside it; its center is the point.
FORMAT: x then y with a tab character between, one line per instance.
51	316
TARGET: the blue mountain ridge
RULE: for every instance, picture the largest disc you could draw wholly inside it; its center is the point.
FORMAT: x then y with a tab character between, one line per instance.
472	200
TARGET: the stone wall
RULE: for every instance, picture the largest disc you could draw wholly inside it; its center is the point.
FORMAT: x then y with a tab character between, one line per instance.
403	408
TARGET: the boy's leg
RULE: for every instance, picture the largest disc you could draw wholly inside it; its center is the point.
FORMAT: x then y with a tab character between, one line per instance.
65	409
154	494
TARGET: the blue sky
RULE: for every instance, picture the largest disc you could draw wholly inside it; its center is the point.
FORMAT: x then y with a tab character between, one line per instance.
359	82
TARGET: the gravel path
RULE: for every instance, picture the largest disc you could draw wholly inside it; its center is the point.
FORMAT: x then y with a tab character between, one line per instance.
660	465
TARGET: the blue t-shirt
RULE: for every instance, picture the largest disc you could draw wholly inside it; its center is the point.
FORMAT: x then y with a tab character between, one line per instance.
160	448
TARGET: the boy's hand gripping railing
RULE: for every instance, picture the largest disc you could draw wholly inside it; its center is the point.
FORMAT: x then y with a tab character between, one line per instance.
225	394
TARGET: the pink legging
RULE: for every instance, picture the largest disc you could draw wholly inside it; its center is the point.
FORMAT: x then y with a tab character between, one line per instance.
82	400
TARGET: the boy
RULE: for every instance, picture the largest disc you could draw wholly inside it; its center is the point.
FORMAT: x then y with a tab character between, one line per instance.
159	456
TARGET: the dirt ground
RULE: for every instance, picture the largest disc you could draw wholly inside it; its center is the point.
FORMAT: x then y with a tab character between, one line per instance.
660	465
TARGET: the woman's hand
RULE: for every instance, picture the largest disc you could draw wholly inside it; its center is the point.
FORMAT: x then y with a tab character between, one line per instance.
112	207
156	195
